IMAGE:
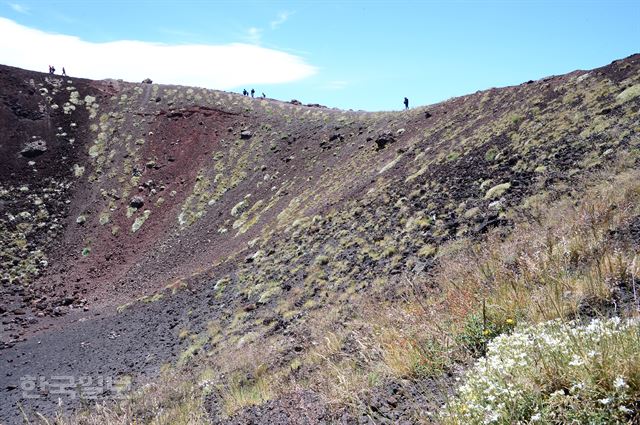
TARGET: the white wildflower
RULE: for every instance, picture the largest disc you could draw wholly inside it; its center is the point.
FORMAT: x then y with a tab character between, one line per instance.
536	417
619	383
558	393
491	417
577	386
605	401
625	410
576	361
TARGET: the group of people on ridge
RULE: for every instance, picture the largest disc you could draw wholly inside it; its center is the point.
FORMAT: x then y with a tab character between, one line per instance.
253	92
52	70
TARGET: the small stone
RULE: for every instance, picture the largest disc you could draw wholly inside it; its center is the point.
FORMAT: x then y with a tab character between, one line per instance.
136	202
246	134
496	205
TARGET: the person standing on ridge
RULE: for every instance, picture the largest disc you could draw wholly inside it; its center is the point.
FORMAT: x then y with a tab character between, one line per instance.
406	103
64	73
245	92
253	92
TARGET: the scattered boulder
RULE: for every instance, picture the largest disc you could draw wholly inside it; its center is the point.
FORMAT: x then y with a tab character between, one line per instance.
383	140
136	202
33	149
295	102
246	134
147	81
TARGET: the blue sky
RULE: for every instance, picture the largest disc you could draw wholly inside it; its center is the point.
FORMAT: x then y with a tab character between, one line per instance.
347	54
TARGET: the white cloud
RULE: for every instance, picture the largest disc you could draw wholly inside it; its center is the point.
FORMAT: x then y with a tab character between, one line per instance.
19	7
214	66
281	19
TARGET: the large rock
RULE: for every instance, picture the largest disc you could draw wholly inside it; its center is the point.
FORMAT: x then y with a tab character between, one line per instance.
33	149
383	140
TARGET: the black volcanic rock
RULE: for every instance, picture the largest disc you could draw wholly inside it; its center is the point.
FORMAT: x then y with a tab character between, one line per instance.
383	140
34	149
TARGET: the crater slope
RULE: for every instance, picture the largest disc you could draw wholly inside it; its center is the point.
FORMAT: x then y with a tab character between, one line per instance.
150	231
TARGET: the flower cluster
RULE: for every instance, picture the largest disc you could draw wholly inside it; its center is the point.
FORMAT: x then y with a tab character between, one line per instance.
554	372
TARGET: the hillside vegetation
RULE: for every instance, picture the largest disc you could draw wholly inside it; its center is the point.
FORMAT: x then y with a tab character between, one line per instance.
242	260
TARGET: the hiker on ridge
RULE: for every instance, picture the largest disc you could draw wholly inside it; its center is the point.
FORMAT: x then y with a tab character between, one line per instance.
245	92
406	103
64	73
263	95
253	92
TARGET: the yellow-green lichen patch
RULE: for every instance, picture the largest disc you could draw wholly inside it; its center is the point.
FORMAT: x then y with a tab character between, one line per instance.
104	218
78	170
497	191
139	221
629	93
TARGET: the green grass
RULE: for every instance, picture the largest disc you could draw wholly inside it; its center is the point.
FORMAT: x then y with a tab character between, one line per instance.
243	392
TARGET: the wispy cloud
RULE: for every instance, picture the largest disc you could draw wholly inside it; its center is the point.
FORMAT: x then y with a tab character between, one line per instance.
20	8
223	66
254	35
63	18
281	19
335	85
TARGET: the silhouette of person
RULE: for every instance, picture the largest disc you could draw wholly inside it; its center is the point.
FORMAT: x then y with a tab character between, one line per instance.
64	73
253	92
406	103
245	92
263	95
